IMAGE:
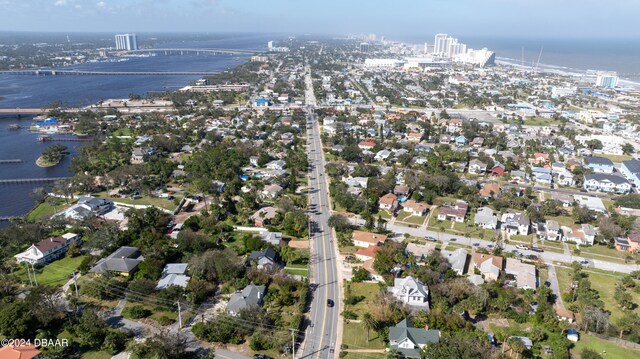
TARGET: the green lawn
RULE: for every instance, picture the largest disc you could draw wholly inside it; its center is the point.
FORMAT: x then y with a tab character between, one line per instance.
156	313
54	274
417	220
603	347
540	121
616	158
368	291
603	252
563	220
384	214
355	337
96	355
604	283
45	210
355	355
297	269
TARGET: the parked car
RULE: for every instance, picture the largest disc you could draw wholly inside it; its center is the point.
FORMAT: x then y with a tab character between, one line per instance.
430	238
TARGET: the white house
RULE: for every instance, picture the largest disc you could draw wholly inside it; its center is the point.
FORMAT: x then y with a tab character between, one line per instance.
606	183
410	291
48	249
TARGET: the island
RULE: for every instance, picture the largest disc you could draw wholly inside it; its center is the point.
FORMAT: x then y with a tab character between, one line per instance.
52	155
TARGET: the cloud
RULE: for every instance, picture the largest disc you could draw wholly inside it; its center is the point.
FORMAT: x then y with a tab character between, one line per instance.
101	4
61	3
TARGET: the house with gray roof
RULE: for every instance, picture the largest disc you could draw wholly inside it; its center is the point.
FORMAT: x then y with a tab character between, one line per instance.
409	341
485	218
606	183
251	296
631	170
457	259
410	291
174	274
273	238
123	261
264	259
598	164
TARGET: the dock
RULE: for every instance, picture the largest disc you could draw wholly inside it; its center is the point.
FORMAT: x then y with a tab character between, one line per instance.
31	180
9	218
10	161
44	138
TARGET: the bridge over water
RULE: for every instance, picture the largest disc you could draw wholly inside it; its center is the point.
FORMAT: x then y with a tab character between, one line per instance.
196	50
105	73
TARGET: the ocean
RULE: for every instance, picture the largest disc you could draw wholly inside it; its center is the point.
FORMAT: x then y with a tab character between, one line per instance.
572	55
25	91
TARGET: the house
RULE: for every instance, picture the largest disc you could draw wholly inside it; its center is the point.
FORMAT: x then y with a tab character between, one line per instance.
264	259
273	238
525	274
48	249
485	218
585	234
251	296
401	190
606	183
539	158
497	170
631	170
461	140
414	137
174	274
566	178
271	191
410	291
262	215
367	144
489	190
87	207
409	341
477	142
123	261
366	239
593	203
520	176
388	202
420	251
566	199
488	265
598	164
573	335
457	259
515	223
276	165
140	155
261	102
19	352
526	342
455	212
366	254
622	244
477	167
550	231
565	315
415	208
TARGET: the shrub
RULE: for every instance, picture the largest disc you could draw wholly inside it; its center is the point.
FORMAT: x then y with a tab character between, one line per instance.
164	320
137	312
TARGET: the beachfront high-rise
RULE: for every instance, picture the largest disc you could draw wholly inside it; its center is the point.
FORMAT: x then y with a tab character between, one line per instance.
447	46
126	42
364	47
607	79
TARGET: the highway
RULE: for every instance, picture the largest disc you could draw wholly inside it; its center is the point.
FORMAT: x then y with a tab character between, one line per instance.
322	331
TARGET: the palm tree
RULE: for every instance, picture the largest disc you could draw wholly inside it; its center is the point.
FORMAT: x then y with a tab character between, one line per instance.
368	322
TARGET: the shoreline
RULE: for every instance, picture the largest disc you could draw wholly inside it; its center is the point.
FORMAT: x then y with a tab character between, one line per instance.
40	163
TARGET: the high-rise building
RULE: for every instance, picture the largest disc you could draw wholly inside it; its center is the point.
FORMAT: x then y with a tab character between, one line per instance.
364	47
126	42
270	44
441	44
607	79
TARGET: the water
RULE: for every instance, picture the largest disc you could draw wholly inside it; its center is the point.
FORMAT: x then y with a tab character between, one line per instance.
620	55
39	91
23	144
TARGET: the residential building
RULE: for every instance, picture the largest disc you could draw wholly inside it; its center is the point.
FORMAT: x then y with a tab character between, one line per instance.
420	251
276	165
264	259
140	155
415	208
410	291
606	183
48	250
607	79
123	261
19	352
367	254
87	207
453	212
584	234
525	274
128	42
550	230
401	190
631	171
262	215
388	202
490	190
174	274
367	144
485	218
488	265
273	238
409	341
515	223
477	167
457	259
593	203
366	239
599	164
251	296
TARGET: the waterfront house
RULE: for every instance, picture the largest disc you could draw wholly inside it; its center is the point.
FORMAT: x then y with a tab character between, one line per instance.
123	261
251	296
48	249
409	341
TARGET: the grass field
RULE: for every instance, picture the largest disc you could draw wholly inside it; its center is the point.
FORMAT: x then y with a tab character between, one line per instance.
355	337
156	313
616	158
603	347
96	355
368	291
604	283
355	355
45	210
54	274
297	269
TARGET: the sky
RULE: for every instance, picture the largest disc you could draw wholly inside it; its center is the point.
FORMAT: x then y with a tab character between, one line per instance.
392	18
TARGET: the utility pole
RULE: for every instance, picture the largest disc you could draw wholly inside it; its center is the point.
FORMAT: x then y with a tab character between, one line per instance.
293	342
75	283
34	274
179	316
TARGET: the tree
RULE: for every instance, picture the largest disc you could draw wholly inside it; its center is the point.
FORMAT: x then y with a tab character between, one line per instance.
339	222
627	148
582	214
359	274
368	322
516	345
163	345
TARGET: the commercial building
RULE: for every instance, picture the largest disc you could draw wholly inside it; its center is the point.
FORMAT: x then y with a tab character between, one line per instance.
364	47
127	42
607	79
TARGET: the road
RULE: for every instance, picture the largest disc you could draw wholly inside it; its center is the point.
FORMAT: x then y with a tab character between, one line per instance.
321	334
547	256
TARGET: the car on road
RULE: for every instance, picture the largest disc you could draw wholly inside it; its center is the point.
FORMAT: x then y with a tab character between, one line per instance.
533	257
536	249
430	238
490	246
330	303
476	244
584	262
453	239
520	246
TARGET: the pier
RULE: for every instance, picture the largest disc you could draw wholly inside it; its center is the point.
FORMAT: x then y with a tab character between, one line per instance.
31	180
105	73
2	162
9	218
45	138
